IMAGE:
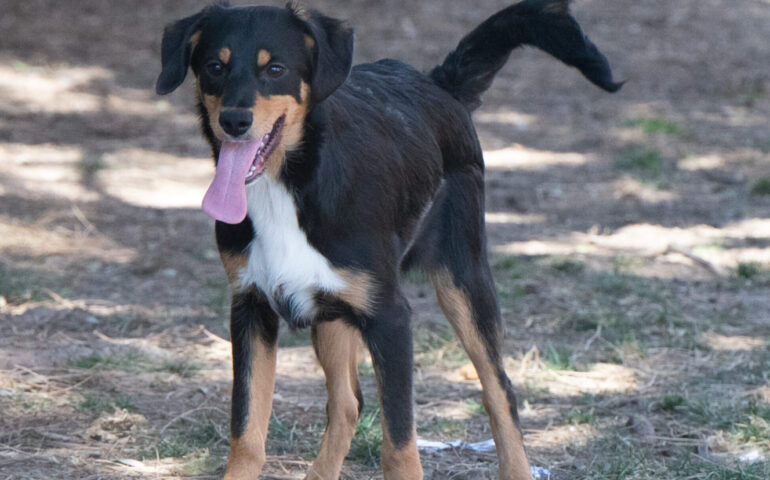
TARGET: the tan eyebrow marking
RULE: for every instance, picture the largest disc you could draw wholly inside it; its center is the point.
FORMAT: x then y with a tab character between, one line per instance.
309	42
224	55
263	57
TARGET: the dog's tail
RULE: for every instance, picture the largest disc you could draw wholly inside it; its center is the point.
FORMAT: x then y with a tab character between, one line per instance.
468	71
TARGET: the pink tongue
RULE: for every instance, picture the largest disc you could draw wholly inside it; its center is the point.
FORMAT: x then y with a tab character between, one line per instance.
225	200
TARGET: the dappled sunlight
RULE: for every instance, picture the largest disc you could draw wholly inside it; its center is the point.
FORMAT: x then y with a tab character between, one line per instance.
719	342
521	121
514	218
519	157
598	378
42	242
564	245
65	89
151	179
47	169
628	187
49	90
560	436
702	162
713	247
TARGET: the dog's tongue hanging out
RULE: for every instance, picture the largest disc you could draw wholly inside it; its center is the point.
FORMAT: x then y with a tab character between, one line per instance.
225	199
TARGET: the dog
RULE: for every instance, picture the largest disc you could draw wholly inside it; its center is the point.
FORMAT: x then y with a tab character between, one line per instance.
333	180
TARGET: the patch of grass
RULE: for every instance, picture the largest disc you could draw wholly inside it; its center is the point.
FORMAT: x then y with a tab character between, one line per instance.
438	345
672	403
508	271
757	409
568	266
754	430
90	361
200	437
367	441
653	126
761	186
131	361
581	416
90	164
642	161
218	298
697	468
708	412
475	407
181	368
748	270
557	357
20	286
622	460
445	427
102	403
612	284
510	266
203	463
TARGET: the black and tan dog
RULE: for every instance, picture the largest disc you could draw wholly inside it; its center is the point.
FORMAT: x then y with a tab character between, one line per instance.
330	182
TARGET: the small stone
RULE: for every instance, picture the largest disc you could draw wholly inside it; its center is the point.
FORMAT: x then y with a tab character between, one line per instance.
168	273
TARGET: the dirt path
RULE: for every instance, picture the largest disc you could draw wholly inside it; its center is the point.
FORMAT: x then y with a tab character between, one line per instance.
630	235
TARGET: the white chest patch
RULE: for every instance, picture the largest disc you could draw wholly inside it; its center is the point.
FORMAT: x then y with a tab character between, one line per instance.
281	262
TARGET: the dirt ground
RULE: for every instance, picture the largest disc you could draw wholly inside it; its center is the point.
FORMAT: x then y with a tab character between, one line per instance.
630	237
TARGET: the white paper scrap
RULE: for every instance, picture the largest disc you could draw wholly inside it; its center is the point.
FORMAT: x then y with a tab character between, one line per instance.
432	446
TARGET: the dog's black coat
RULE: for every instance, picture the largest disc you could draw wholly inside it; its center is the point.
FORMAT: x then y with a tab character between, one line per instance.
389	175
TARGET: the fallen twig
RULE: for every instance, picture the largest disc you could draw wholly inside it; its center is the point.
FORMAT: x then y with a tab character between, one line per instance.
710	266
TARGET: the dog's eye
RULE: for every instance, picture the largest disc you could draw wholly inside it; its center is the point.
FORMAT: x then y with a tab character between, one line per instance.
214	69
275	70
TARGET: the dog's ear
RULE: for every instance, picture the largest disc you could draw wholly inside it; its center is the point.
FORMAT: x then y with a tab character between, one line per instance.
332	47
179	39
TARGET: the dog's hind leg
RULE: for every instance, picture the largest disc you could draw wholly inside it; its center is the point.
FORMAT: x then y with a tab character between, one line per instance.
388	335
451	246
254	330
336	345
469	304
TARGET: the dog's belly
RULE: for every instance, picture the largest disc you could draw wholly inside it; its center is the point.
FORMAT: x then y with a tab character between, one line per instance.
281	262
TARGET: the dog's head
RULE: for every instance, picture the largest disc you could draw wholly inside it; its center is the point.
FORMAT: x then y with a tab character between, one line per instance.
259	71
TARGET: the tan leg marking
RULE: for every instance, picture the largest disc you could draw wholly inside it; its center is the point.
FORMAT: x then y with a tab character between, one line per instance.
233	265
359	289
337	346
400	464
224	55
510	448
263	58
247	453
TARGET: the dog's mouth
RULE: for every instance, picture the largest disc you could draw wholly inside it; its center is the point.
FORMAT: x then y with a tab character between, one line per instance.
240	163
265	148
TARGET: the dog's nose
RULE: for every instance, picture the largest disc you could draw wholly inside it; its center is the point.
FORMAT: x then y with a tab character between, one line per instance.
236	122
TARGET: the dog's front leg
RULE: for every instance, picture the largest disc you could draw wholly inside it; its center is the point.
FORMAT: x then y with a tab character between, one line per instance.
254	330
389	338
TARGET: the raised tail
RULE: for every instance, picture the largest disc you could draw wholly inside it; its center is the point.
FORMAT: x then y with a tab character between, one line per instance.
468	71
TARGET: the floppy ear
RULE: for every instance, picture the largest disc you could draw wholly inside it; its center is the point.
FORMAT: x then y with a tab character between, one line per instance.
332	51
176	50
